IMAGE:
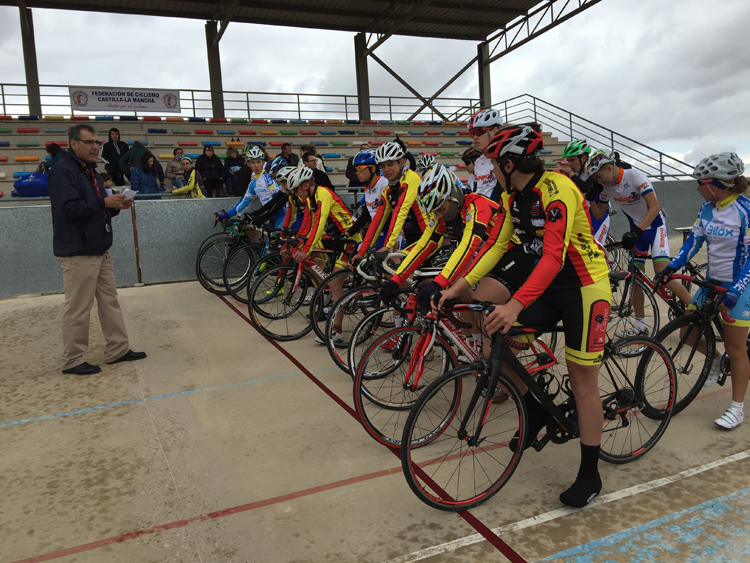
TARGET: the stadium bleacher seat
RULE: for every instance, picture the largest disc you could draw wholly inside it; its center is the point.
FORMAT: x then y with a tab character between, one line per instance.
158	131
269	132
235	144
450	133
317	121
103	118
382	132
340	143
218	120
260	121
59	143
163	143
464	142
328	132
204	131
276	143
331	155
279	121
289	132
151	118
370	122
225	131
6	118
347	132
238	120
27	143
197	119
181	132
55	130
175	119
144	142
128	118
211	143
432	132
320	143
248	132
187	143
26	158
416	132
298	121
27	130
308	132
4	143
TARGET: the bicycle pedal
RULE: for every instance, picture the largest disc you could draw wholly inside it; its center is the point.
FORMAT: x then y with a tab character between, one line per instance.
539	443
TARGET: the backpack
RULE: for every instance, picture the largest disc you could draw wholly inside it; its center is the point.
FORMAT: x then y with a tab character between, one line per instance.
199	182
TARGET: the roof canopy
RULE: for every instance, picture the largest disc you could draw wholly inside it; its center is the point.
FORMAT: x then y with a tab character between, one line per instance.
448	19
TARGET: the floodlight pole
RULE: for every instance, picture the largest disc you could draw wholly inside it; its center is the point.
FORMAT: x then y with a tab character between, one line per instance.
214	70
29	60
483	66
363	78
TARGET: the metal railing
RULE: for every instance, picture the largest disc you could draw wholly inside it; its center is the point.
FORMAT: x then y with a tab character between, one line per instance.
248	105
567	126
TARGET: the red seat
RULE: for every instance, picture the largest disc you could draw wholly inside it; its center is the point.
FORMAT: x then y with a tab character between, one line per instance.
463	132
3	159
60	143
433	143
377	143
276	143
316	122
433	132
308	132
27	130
187	143
248	132
80	118
151	118
430	153
204	131
382	132
259	121
419	123
219	120
5	118
370	122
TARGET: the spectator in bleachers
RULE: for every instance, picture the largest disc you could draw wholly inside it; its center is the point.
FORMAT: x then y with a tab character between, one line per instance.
321	178
193	181
133	157
291	158
112	151
233	163
174	169
211	169
320	165
55	152
143	177
108	183
351	172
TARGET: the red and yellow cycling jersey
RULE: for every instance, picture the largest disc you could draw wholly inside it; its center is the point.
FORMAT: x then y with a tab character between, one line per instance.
295	206
474	222
550	217
401	204
327	210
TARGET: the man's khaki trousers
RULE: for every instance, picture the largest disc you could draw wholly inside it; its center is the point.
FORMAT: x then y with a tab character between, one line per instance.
86	278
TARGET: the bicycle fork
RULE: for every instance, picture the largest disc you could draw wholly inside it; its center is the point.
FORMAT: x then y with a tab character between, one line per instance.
422	347
490	383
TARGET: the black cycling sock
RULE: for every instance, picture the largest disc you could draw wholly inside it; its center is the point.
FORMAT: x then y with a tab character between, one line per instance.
588	484
537	419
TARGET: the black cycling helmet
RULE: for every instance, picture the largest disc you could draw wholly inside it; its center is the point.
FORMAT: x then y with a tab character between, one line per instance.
470	155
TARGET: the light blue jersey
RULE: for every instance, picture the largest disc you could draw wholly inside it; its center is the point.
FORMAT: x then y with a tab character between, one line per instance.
261	187
725	228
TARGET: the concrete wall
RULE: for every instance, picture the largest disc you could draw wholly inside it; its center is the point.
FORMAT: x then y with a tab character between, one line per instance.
171	231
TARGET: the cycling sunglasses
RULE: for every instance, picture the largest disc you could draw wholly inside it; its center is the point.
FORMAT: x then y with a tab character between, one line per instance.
362	168
478	131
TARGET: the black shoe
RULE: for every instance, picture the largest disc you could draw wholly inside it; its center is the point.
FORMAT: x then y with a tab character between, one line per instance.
83	369
129	356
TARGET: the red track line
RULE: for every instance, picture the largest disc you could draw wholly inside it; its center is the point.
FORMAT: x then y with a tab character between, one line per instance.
209	516
470	519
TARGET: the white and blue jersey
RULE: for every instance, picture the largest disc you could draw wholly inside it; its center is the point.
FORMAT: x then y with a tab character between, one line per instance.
725	228
263	188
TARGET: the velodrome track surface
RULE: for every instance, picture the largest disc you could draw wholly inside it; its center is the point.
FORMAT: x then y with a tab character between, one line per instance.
219	447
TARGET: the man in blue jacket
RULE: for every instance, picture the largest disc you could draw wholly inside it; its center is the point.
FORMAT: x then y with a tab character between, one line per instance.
82	236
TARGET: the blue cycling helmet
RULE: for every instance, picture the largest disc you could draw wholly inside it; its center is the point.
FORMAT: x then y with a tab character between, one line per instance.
277	164
365	158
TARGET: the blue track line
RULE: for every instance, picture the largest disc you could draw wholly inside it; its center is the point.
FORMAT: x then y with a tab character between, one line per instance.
165	396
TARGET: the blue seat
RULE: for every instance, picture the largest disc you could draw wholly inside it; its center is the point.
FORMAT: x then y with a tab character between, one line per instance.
386	122
4	143
416	132
450	133
128	118
211	143
261	143
225	131
545	151
279	121
331	155
197	119
28	117
352	122
328	132
105	118
464	142
54	130
329	169
193	155
157	130
435	122
320	143
298	121
346	132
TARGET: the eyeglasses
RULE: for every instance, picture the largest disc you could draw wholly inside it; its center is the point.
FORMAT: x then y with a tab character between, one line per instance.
361	168
90	142
478	131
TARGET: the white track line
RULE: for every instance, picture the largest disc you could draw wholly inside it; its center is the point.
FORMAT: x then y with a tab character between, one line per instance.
560	512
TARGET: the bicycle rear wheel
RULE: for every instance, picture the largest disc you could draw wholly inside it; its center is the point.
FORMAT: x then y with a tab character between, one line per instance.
276	307
637	388
389	379
238	270
445	472
322	300
680	337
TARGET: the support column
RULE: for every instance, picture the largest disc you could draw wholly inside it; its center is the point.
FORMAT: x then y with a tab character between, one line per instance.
483	66
29	62
214	70
363	78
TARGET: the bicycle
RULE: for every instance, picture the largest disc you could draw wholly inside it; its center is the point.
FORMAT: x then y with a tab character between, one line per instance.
683	336
278	297
213	253
455	449
249	260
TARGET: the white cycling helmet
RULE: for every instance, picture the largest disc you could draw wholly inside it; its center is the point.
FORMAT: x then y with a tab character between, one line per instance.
283	174
425	161
298	176
723	166
597	159
437	185
389	151
485	118
253	152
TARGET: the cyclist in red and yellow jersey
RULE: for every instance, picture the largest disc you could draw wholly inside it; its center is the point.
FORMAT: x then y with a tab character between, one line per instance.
398	202
569	283
329	216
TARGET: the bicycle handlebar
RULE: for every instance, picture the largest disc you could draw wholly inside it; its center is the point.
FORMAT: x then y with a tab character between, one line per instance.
390	255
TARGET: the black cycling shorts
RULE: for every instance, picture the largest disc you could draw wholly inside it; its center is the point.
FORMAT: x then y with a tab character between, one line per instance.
514	268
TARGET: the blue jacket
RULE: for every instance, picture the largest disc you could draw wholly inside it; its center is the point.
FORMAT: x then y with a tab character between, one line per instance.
81	224
143	182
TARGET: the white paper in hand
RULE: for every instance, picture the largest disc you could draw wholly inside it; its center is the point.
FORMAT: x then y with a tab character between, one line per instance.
128	193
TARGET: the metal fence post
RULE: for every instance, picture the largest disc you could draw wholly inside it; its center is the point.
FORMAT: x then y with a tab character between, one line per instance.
192	97
346	106
535	119
247	103
299	109
390	109
661	166
570	120
2	93
612	140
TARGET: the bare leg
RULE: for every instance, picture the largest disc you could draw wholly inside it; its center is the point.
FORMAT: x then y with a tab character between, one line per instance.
734	344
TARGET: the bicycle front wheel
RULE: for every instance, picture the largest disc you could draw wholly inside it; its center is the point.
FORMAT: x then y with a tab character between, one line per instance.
446	472
276	302
369	329
238	270
637	387
630	303
323	301
349	312
681	338
209	266
392	374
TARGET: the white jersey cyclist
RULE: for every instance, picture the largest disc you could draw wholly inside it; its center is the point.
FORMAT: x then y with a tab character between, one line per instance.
629	191
484	181
372	195
725	228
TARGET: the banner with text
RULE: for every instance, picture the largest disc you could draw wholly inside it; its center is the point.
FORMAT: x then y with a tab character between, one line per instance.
124	99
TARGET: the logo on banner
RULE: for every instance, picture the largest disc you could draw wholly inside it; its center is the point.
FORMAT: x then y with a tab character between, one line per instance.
80	99
171	100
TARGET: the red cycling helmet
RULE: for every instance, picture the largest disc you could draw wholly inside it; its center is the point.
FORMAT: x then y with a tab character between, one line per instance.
522	141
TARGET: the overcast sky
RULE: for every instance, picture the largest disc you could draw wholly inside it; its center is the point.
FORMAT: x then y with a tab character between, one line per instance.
674	74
